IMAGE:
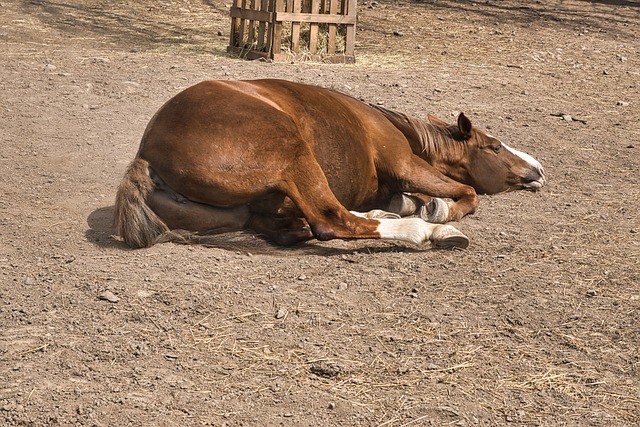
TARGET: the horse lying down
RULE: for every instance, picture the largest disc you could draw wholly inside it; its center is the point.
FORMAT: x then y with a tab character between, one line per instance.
295	162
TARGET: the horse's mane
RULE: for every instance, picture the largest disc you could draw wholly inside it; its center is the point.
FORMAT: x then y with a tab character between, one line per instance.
437	141
428	139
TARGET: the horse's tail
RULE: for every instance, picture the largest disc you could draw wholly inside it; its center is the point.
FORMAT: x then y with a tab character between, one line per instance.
135	222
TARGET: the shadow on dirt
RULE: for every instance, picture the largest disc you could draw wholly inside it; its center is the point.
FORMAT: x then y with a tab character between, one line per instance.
619	13
133	25
101	229
101	233
245	242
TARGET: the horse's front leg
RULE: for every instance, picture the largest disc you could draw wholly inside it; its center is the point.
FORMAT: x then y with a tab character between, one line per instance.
423	189
408	204
431	209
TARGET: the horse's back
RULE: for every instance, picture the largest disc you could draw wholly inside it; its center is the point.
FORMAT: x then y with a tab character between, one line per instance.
221	132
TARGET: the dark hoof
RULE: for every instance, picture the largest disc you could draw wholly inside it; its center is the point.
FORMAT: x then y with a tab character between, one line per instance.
436	212
448	237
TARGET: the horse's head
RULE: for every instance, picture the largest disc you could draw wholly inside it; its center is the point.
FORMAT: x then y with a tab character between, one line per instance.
487	164
469	155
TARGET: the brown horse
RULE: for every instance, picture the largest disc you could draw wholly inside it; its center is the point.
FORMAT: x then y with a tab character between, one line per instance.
293	162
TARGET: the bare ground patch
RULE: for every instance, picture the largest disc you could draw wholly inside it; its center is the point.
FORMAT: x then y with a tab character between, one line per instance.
535	324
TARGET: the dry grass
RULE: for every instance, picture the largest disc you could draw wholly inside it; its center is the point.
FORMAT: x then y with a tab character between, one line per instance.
401	363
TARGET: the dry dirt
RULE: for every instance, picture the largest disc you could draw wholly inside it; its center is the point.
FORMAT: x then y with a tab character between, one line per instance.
537	323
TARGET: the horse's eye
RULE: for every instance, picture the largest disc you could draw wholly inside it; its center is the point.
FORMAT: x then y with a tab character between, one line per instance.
497	148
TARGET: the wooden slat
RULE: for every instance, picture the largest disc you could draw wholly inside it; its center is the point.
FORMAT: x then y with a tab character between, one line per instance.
333	28
313	30
350	42
276	46
333	59
251	33
241	30
262	26
270	7
247	54
254	15
318	19
235	26
295	26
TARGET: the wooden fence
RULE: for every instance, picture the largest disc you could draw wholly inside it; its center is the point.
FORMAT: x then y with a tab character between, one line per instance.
285	30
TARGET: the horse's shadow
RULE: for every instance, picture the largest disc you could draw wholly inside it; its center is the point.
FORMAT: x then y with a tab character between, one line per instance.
101	229
101	233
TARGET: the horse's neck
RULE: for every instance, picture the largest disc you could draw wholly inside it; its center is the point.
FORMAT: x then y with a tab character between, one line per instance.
428	140
431	139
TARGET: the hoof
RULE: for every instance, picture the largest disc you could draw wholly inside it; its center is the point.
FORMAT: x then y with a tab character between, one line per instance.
403	205
449	237
436	212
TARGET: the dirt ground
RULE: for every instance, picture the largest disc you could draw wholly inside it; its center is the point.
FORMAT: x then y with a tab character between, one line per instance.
536	323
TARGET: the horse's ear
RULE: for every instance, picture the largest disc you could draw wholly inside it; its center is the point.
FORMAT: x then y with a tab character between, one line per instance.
436	121
464	126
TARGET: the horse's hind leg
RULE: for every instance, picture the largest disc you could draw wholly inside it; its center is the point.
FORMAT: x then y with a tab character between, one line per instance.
328	219
183	214
283	231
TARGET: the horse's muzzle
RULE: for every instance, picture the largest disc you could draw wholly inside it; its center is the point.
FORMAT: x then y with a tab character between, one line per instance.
535	180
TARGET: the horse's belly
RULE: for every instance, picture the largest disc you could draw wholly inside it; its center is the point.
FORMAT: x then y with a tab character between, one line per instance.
352	179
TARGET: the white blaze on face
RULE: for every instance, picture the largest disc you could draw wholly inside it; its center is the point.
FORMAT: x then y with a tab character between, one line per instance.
524	156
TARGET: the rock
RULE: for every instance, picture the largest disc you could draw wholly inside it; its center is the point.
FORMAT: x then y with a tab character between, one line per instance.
326	369
108	296
143	293
29	281
50	67
281	313
622	104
